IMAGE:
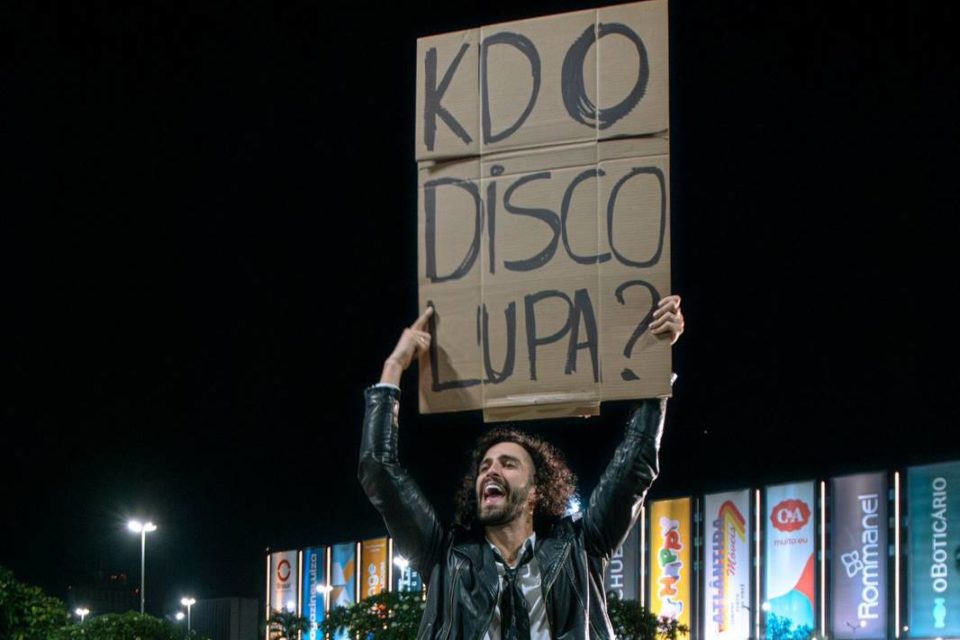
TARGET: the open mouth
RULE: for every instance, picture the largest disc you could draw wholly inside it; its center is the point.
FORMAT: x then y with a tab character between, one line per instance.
492	493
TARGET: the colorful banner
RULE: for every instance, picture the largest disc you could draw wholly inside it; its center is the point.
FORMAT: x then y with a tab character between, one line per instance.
404	577
373	555
283	581
933	561
790	556
858	567
314	576
727	566
671	570
343	579
622	575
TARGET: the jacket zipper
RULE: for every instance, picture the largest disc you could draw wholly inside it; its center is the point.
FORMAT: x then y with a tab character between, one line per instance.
558	567
453	590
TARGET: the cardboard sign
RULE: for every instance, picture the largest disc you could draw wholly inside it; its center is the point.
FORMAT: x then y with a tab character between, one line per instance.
544	231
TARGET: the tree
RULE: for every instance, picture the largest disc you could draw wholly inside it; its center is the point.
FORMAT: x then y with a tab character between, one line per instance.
632	621
126	626
385	616
26	612
286	625
781	628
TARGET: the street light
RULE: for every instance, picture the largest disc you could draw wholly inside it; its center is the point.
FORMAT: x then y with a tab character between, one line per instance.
179	616
188	602
143	529
82	612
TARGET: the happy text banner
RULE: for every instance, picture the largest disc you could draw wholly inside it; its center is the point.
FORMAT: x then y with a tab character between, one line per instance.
671	567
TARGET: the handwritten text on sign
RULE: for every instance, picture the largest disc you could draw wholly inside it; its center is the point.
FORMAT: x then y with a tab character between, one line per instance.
544	263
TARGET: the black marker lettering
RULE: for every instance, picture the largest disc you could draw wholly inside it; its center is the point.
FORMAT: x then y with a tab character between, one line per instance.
611	206
565	212
430	231
545	215
573	88
627	373
492	224
493	376
525	46
530	301
436	385
610	115
583	308
434	95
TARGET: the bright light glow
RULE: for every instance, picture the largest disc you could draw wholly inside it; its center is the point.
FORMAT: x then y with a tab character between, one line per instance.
137	527
181	615
324	588
187	602
906	628
82	611
765	606
401	562
573	507
291	606
863	623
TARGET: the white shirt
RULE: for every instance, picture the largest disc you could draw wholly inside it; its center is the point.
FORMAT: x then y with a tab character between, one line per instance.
529	575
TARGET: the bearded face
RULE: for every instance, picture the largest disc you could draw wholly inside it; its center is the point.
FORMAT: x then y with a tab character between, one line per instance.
505	487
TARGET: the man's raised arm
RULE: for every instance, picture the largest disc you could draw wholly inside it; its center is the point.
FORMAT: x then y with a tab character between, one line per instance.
616	501
409	517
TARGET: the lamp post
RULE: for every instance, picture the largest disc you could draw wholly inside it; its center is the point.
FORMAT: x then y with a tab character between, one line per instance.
143	529
82	612
188	602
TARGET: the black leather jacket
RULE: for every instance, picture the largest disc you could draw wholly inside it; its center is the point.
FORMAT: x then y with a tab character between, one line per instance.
458	567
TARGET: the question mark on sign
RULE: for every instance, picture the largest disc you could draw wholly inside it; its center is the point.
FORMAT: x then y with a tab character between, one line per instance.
628	373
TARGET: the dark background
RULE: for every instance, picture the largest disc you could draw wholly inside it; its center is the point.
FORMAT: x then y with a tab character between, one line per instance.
209	246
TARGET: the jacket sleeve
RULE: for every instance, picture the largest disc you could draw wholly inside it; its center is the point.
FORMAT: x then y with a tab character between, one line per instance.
409	517
616	501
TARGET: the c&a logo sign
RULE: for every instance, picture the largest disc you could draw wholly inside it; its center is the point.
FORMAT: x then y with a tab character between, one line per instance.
283	570
790	515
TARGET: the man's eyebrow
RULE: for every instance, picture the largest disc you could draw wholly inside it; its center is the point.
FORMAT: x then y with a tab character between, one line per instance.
502	456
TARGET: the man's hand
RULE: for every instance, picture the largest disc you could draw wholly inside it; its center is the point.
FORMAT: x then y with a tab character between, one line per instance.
668	319
413	343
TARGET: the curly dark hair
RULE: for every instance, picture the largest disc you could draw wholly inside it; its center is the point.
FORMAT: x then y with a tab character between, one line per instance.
555	483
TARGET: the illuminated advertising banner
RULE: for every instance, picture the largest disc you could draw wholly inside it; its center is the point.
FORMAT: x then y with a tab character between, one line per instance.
671	569
933	563
727	566
314	575
623	571
343	579
283	581
373	559
790	555
858	566
404	577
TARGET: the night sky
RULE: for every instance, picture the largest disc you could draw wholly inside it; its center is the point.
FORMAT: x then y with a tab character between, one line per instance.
208	243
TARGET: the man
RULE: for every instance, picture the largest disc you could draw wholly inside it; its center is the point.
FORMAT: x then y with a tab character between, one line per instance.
513	566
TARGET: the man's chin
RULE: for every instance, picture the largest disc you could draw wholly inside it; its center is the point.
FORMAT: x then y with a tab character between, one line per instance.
495	517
